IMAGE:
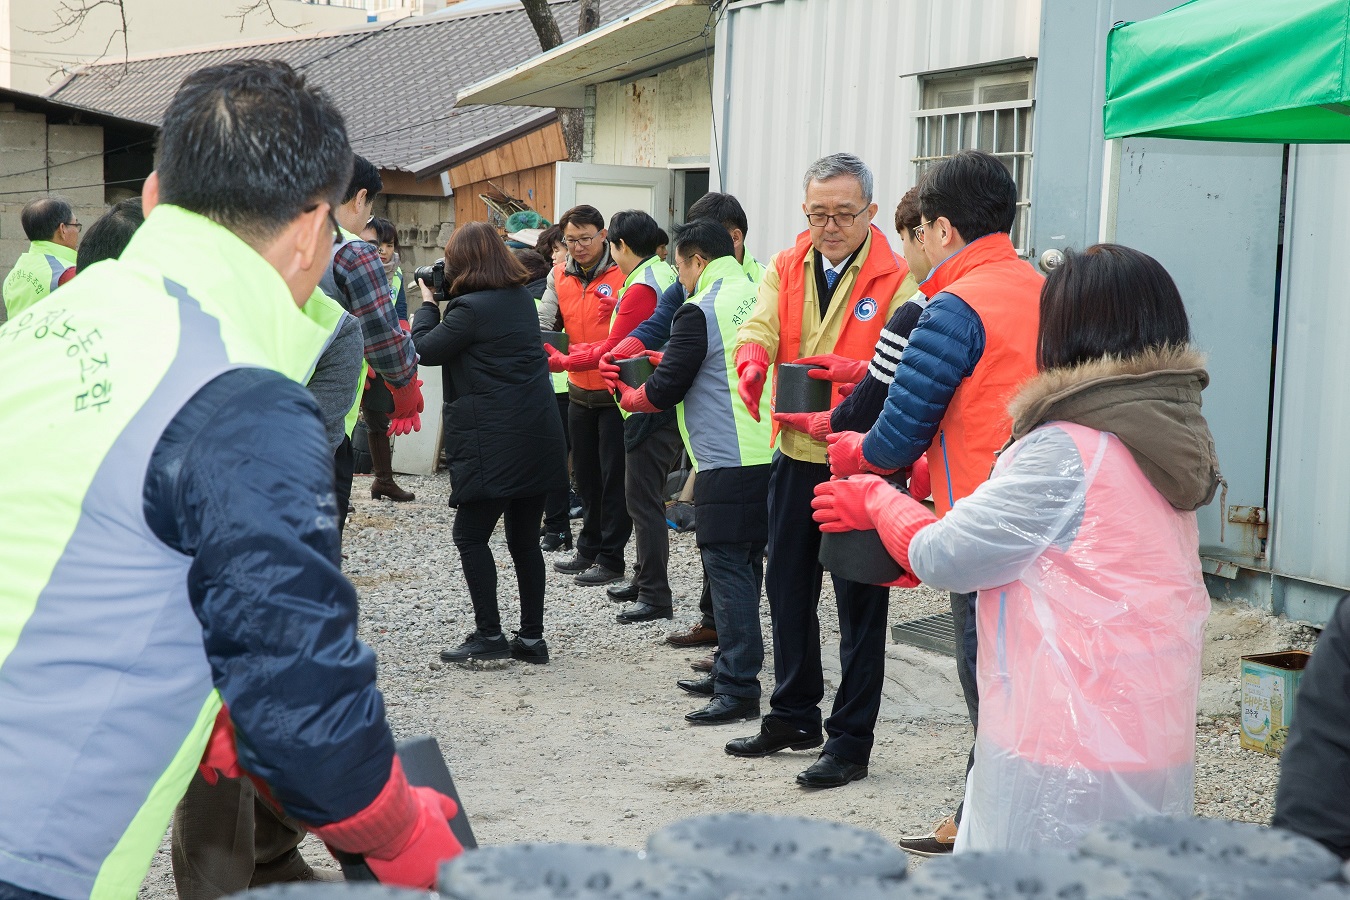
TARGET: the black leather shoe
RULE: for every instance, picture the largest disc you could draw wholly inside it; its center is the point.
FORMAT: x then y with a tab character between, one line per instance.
573	566
642	612
597	575
478	646
773	736
551	543
703	686
725	709
830	772
623	593
536	653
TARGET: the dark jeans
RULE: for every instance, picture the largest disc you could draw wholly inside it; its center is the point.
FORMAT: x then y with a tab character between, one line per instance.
474	524
735	573
793	582
598	465
557	505
645	470
344	465
963	630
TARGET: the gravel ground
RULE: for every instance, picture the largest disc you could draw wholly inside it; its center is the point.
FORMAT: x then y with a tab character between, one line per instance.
593	746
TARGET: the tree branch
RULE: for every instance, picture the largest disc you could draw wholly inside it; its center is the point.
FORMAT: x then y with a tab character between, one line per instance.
249	9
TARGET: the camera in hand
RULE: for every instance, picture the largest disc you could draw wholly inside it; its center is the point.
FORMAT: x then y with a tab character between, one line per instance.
433	276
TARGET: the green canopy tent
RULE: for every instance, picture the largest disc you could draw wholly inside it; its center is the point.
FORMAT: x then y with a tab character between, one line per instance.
1233	70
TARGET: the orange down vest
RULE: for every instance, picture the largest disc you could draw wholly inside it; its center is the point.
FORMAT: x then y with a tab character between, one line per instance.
586	310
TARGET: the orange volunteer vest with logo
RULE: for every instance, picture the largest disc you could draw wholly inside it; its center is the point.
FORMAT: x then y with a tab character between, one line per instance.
583	319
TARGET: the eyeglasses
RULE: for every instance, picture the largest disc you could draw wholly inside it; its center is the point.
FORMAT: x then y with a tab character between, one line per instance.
581	241
337	229
843	220
918	230
76	225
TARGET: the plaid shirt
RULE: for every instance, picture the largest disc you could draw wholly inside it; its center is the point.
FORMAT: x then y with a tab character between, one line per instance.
364	291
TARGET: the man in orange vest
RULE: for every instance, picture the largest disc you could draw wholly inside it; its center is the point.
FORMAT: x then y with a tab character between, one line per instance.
825	299
582	292
969	353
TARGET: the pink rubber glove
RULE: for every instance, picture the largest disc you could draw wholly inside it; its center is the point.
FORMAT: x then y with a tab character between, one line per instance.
866	502
634	400
815	424
609	370
401	426
628	348
839	369
920	485
557	362
846	456
752	365
404	834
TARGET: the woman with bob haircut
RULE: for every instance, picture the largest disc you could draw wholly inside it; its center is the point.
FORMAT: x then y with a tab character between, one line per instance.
1084	548
503	438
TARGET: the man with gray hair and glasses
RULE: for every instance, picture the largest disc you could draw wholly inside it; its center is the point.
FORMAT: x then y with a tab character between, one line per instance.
823	301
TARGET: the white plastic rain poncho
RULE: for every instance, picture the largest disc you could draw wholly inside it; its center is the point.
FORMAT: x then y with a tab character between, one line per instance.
1091	605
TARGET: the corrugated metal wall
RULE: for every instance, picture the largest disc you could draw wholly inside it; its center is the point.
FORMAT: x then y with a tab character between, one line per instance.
798	79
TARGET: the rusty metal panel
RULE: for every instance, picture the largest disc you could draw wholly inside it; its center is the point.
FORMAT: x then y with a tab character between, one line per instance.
798	79
1310	500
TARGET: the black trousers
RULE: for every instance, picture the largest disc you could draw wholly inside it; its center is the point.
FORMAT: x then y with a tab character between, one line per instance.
475	521
598	466
793	581
557	505
645	470
344	465
963	628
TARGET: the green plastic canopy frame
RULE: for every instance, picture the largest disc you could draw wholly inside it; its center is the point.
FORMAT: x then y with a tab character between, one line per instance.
1233	70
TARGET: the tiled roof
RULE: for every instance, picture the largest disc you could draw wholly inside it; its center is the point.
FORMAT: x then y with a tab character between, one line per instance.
394	82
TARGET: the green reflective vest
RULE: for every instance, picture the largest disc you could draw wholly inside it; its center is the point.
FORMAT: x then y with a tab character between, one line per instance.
752	269
559	378
717	429
654	273
327	313
106	695
35	274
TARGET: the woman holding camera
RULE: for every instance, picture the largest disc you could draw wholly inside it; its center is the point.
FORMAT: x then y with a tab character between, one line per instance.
1084	548
503	438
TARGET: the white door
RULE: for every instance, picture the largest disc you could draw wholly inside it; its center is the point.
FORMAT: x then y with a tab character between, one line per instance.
614	188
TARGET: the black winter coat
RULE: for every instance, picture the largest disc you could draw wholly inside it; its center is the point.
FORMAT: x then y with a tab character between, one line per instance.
503	434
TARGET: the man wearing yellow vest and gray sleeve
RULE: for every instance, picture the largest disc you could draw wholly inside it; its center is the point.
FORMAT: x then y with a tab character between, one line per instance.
826	298
730	452
172	594
51	225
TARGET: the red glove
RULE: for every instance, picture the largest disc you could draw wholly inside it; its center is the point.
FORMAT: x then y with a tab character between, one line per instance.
920	485
653	356
844	389
408	400
846	456
404	834
220	757
607	305
839	369
634	400
752	364
403	323
815	424
866	502
557	362
65	276
628	348
399	427
609	370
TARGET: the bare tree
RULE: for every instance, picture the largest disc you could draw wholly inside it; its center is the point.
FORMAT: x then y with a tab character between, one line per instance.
546	29
71	16
260	6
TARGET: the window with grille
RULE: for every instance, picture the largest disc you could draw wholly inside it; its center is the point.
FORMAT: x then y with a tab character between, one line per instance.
988	111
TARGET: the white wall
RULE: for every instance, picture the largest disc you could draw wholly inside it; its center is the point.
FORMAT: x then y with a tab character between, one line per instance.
35	62
653	120
798	79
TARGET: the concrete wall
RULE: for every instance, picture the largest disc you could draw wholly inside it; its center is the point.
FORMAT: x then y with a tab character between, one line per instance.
65	160
424	225
653	120
35	62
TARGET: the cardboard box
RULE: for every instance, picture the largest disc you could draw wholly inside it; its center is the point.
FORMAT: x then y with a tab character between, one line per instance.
1269	684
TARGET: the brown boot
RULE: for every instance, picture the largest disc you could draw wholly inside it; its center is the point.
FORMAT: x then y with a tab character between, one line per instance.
381	466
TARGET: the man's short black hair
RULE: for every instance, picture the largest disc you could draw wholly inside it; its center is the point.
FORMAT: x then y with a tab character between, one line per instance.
705	237
42	216
722	208
109	236
364	175
636	229
251	146
582	215
973	190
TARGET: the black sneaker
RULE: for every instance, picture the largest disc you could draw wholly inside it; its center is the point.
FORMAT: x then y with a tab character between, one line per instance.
575	509
478	646
573	566
531	653
554	542
597	575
